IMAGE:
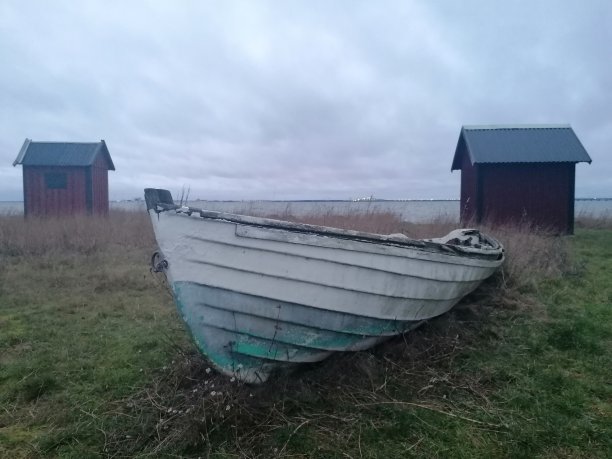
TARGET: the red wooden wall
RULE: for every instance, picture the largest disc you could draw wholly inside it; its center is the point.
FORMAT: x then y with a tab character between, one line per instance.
468	188
539	193
85	190
99	181
39	200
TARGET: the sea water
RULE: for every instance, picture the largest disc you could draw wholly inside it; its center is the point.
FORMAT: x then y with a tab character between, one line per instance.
409	210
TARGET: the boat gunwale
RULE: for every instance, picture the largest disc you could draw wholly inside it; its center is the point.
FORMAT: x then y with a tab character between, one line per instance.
495	252
345	263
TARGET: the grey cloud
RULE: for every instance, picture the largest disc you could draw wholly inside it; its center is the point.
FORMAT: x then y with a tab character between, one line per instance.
258	99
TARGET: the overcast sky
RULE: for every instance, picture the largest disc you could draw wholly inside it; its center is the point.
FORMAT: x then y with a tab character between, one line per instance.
299	99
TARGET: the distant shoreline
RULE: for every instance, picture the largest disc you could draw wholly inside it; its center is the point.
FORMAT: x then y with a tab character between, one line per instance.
312	200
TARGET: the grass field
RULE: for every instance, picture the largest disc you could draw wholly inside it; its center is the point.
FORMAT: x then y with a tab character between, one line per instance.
94	361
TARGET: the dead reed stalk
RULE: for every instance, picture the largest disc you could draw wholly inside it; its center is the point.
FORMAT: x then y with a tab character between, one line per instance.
590	221
74	235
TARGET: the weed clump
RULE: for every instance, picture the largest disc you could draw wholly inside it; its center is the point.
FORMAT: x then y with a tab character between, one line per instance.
35	386
590	221
189	407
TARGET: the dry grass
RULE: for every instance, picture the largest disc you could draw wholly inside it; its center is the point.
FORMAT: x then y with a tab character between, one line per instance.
374	222
74	235
341	404
531	253
590	221
187	408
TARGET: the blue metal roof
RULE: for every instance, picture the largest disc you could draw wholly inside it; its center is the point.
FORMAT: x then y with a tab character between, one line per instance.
79	154
520	144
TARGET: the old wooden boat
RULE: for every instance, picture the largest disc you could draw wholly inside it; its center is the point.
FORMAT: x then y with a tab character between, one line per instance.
260	294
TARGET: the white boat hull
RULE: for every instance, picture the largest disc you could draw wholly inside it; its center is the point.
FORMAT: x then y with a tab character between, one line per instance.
259	294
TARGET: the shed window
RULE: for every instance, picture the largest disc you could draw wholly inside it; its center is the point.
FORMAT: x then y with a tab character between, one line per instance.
55	180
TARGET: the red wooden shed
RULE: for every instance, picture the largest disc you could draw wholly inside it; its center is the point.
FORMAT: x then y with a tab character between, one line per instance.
63	178
512	174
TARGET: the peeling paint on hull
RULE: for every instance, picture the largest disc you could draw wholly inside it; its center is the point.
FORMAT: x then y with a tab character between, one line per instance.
260	294
230	337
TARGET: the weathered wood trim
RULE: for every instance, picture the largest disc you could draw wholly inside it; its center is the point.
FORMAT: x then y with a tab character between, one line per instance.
26	201
89	189
479	171
571	198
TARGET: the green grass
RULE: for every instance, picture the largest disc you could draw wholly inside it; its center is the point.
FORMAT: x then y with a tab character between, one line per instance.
77	331
552	377
93	357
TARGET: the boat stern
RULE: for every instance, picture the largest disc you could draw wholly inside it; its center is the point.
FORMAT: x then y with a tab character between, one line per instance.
158	199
